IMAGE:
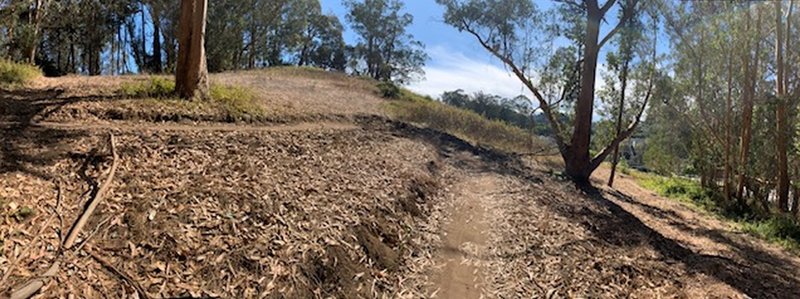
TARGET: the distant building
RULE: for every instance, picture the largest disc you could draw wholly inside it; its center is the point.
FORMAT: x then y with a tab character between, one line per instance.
632	150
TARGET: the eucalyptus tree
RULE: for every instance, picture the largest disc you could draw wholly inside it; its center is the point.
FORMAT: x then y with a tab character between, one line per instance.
314	38
620	63
191	76
509	30
385	50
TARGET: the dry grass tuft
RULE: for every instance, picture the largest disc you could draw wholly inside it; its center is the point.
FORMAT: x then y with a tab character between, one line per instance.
12	73
154	99
465	124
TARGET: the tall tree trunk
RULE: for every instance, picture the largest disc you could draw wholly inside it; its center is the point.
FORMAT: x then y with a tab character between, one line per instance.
578	162
157	63
144	63
781	140
624	83
751	66
191	78
726	176
36	17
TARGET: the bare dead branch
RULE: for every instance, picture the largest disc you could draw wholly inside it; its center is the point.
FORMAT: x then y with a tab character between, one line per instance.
626	16
122	275
76	229
543	104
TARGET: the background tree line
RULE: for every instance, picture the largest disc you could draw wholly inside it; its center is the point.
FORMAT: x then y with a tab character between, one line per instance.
735	90
516	111
124	36
718	97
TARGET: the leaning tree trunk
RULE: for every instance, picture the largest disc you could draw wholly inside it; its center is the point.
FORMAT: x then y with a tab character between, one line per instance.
615	158
191	77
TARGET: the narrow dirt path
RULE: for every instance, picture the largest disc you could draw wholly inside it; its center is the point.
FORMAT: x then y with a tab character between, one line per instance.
461	277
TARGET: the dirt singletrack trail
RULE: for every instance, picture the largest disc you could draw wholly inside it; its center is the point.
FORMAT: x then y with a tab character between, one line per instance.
461	278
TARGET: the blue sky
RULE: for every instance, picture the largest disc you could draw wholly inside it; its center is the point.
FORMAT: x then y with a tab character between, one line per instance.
456	60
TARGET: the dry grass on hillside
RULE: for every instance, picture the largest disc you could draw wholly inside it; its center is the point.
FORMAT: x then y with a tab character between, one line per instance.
309	92
279	95
467	125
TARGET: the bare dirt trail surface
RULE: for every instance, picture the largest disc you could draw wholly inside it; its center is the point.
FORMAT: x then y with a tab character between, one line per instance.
460	277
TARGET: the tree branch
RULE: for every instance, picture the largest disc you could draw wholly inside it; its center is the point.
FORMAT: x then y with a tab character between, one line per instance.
600	157
626	16
98	197
525	80
573	4
607	6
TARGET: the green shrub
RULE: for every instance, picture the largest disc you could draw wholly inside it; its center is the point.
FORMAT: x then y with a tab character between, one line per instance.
685	190
154	87
623	166
237	103
389	90
12	73
23	213
781	229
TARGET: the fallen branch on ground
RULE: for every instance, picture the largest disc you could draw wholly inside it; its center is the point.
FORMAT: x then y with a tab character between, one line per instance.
35	285
73	235
125	277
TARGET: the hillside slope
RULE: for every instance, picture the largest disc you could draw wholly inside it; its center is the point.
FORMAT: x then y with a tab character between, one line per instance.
322	194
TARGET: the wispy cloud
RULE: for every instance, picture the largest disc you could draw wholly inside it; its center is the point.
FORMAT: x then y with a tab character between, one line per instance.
450	70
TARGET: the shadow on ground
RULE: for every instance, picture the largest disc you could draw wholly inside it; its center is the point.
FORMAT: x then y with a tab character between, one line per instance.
753	271
757	273
25	145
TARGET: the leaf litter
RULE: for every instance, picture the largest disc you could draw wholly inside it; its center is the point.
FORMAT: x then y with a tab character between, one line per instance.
302	214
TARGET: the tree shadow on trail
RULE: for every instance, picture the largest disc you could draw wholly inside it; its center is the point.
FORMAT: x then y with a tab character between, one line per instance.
449	146
26	146
759	274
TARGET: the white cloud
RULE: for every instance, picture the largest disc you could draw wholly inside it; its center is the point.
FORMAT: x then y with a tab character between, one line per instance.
451	70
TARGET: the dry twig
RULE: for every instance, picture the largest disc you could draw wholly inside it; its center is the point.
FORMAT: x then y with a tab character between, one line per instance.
125	277
73	235
30	245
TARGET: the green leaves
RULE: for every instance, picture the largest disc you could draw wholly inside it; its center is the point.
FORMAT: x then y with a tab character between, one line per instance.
385	50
